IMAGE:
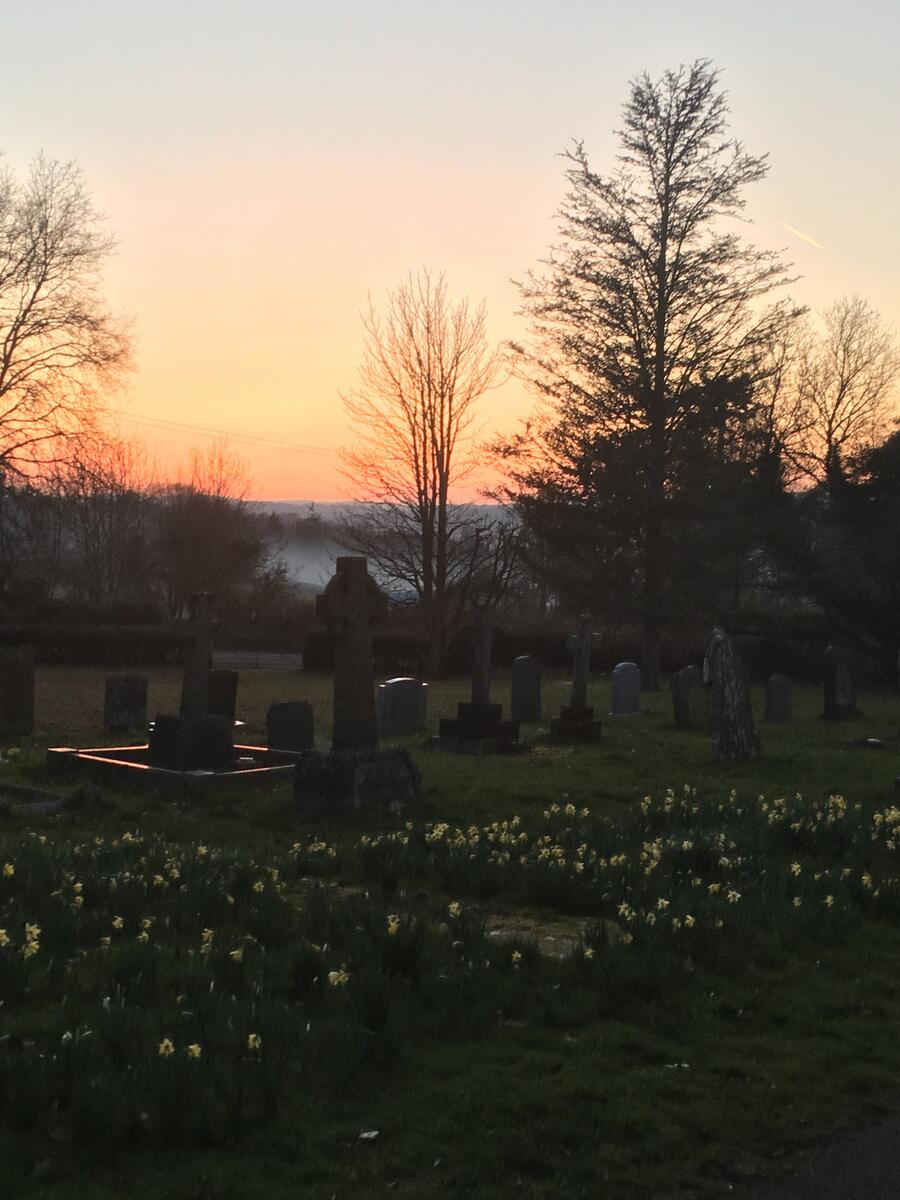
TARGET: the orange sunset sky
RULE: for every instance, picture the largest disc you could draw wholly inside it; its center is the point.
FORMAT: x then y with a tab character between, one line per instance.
265	166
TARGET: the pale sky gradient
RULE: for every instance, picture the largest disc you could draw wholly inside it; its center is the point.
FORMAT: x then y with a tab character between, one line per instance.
266	165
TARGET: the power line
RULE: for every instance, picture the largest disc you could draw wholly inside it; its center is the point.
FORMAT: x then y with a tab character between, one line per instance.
211	431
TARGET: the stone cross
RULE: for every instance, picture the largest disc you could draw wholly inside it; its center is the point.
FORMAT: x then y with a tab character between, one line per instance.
481	661
195	685
580	644
350	605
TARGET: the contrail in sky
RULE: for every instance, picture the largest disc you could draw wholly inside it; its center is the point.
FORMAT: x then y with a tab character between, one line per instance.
803	237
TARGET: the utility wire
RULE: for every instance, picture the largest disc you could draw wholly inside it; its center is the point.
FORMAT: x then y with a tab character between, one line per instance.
210	431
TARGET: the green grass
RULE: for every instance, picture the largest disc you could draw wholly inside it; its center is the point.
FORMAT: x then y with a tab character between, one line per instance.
546	1078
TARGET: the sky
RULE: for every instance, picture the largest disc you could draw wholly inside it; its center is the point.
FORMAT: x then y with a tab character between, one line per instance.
266	166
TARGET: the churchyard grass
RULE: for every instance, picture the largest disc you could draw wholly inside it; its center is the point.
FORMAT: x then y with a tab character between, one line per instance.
616	970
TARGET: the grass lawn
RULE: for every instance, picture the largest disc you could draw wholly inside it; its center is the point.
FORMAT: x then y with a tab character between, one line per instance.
539	984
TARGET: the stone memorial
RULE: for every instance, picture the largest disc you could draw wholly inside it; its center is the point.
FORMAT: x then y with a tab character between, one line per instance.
778	699
195	683
16	690
221	693
196	743
401	705
355	774
731	717
125	704
479	727
626	690
840	687
690	699
290	726
525	700
576	719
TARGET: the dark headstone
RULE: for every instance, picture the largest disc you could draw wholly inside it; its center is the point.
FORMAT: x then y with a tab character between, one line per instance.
840	688
690	699
350	606
575	722
16	690
290	726
525	703
204	743
401	706
778	699
626	690
125	704
479	727
347	781
731	717
195	684
222	693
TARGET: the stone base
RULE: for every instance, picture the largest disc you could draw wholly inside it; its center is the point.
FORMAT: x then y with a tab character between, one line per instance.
347	781
576	725
478	723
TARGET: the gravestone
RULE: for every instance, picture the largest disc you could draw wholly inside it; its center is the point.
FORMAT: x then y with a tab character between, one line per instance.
479	727
198	743
16	690
195	683
401	706
347	781
576	719
525	702
125	703
690	699
626	690
840	687
221	693
778	699
731	717
350	606
290	726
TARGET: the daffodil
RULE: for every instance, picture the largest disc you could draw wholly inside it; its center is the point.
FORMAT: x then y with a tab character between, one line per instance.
516	958
118	922
338	978
194	1050
254	1041
4	938
237	955
454	909
393	925
166	1047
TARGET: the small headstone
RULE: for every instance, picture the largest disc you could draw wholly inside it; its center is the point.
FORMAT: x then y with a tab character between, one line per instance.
204	743
525	704
690	699
222	693
125	704
626	690
576	719
840	689
731	717
778	699
195	684
401	705
16	690
350	605
290	726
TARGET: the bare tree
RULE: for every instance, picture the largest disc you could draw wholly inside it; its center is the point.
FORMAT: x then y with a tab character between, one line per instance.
842	389
426	364
58	344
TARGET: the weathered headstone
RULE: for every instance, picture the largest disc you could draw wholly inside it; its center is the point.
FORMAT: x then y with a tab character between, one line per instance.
199	743
125	703
778	699
222	693
195	684
626	690
690	699
290	726
731	717
401	705
525	701
576	720
350	606
346	781
16	690
479	727
840	688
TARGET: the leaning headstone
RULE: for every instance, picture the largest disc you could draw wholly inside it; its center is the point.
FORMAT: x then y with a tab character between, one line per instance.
290	726
401	706
125	704
690	699
576	719
778	699
731	717
221	693
525	701
626	690
840	688
195	684
479	727
350	605
16	690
